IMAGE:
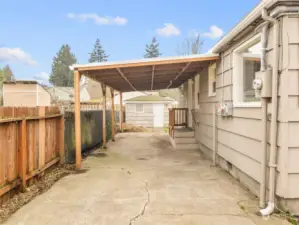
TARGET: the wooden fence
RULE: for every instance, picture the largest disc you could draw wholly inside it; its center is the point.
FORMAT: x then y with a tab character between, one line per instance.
31	140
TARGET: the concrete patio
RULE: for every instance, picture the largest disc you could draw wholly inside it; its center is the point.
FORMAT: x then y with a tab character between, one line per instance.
140	179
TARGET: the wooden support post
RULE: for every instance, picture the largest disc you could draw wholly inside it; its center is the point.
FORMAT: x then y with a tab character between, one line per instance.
121	111
104	116
61	140
23	153
77	119
112	115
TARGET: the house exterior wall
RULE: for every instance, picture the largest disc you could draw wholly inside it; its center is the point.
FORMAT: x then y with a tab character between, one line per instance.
44	97
144	119
25	95
239	137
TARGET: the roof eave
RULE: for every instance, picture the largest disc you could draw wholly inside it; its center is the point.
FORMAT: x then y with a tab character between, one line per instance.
250	18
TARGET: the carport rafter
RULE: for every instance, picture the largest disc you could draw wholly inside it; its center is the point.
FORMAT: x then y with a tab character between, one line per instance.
179	74
153	75
125	78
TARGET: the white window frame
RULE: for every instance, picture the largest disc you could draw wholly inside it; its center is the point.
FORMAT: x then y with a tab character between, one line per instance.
212	72
238	74
136	108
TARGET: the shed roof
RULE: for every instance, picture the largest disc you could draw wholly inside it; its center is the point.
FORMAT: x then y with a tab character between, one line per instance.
146	74
150	98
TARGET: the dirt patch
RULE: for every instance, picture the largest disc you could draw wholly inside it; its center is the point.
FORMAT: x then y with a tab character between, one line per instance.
98	155
142	158
42	185
131	128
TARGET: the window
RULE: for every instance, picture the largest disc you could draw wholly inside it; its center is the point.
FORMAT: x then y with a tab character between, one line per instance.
246	62
139	108
212	80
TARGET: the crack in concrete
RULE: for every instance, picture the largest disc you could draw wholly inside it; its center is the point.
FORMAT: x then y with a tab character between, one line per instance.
145	205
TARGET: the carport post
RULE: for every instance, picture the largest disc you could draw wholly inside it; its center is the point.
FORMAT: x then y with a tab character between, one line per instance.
121	111
112	115
104	116
77	119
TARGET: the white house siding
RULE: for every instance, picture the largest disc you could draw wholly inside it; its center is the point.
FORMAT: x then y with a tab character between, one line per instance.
144	119
239	136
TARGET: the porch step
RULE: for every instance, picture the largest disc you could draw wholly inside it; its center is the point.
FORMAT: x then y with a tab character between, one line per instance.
187	146
184	134
185	140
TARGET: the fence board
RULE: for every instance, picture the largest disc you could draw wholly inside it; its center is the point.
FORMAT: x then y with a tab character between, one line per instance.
30	142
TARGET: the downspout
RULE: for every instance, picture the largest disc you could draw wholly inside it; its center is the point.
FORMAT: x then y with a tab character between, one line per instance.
273	129
264	103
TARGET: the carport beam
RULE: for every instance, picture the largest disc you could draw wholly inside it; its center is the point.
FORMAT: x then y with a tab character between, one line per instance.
77	119
112	114
104	116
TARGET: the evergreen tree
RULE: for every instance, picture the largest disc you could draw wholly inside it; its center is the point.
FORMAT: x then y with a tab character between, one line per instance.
61	74
8	74
152	50
98	54
1	78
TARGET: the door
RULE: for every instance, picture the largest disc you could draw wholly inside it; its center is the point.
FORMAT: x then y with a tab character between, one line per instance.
158	110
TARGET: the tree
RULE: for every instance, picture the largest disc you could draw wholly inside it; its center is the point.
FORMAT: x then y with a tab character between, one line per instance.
8	74
152	50
98	54
61	74
1	78
191	45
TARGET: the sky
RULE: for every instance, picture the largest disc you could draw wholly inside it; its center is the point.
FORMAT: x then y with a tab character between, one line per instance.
33	31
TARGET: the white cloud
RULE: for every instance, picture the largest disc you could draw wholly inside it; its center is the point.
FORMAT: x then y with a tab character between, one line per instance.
15	55
42	77
169	29
97	19
214	33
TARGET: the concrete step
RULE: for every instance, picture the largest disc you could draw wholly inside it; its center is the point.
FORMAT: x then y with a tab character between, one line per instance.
187	147
183	134
185	140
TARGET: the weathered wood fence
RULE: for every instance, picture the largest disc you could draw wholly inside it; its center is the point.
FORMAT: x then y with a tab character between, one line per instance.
31	140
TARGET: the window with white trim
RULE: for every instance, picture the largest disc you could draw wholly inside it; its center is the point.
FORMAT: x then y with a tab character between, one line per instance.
246	62
139	108
212	80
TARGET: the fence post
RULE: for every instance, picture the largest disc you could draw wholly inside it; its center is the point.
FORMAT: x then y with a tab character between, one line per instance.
61	143
23	153
42	137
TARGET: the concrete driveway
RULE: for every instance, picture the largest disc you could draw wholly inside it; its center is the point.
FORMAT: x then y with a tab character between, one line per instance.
141	180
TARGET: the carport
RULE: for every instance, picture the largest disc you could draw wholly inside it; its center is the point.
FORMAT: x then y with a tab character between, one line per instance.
135	75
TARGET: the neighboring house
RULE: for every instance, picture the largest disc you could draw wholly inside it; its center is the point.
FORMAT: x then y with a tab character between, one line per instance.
239	143
148	111
94	90
25	93
129	95
66	94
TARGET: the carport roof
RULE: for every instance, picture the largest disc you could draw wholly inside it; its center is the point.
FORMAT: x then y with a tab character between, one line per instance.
146	74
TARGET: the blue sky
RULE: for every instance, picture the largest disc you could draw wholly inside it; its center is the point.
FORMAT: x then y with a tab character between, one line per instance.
33	31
